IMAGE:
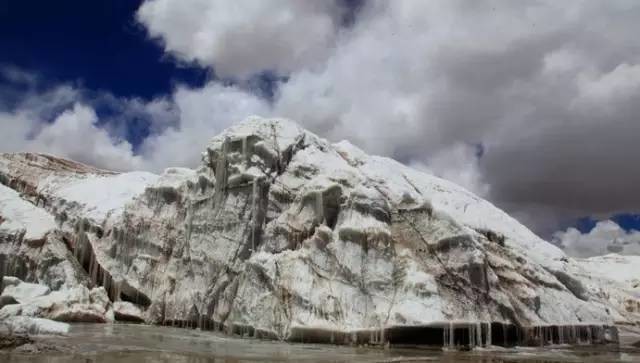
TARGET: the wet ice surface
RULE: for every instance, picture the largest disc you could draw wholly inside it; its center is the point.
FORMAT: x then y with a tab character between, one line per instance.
138	343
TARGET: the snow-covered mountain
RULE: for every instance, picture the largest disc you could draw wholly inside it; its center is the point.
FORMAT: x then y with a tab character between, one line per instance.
281	234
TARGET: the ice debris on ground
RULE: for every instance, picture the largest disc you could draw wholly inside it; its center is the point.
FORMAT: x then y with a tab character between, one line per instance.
78	304
34	326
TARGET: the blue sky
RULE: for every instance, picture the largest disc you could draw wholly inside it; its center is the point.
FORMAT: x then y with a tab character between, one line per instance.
627	221
96	43
534	109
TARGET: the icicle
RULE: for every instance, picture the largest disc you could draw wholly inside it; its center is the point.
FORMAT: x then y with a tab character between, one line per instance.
92	274
478	328
599	334
578	335
117	290
254	211
244	149
221	172
3	271
153	286
451	335
504	334
489	335
319	208
586	334
445	337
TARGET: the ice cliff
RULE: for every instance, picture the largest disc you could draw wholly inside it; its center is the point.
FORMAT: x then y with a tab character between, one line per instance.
280	234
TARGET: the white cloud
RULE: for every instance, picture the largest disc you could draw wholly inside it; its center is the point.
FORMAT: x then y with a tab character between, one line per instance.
606	237
203	113
17	75
73	134
241	37
59	122
15	130
62	121
606	92
459	164
549	88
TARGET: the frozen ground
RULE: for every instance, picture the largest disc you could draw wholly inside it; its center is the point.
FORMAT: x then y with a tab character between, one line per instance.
136	343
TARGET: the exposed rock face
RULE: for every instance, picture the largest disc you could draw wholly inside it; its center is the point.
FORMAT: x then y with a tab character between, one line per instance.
281	234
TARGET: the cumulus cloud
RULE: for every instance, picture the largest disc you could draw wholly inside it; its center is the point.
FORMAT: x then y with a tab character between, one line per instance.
606	237
549	89
459	164
202	113
242	37
75	135
20	123
57	121
62	121
15	130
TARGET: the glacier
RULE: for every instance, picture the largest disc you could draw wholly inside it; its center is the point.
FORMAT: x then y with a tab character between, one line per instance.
280	234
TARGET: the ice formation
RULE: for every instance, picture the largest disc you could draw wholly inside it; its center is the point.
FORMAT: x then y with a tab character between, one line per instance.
77	304
280	234
34	326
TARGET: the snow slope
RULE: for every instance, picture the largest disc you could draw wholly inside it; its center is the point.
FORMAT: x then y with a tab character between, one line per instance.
460	204
102	196
77	190
18	214
618	268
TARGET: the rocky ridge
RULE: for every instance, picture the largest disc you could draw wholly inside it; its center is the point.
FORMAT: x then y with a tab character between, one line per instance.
280	234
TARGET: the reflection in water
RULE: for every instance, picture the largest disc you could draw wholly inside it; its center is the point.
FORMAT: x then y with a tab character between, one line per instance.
138	343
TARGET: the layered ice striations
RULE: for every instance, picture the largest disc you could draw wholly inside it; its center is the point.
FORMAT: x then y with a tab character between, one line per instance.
282	235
